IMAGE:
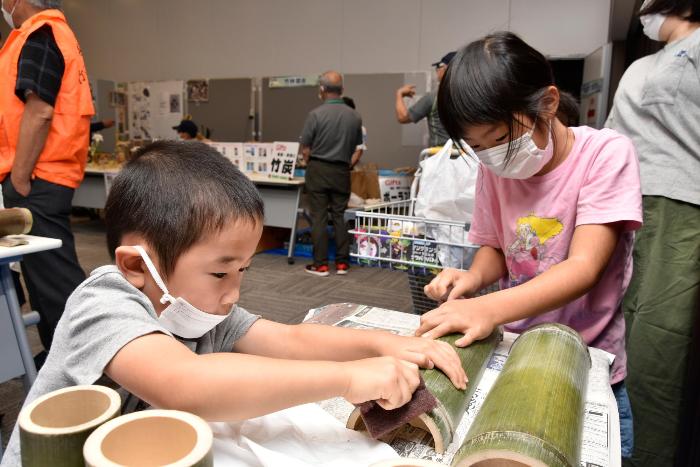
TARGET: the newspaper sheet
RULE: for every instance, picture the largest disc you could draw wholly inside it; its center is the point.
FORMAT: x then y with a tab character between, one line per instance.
601	432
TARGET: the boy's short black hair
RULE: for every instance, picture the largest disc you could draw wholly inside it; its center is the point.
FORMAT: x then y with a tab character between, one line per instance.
172	193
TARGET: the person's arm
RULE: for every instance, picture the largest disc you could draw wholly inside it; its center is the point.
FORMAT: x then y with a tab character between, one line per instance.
402	114
592	246
307	136
230	386
306	153
356	156
33	131
319	342
39	74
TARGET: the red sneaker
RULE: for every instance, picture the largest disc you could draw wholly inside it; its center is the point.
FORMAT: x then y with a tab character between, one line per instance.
321	270
342	268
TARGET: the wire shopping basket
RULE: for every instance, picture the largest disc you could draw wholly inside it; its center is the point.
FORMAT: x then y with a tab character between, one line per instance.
388	235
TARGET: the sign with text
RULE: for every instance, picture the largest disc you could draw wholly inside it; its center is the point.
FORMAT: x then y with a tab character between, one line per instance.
283	160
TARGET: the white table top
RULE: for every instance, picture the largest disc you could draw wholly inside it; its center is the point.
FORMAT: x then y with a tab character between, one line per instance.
254	177
35	245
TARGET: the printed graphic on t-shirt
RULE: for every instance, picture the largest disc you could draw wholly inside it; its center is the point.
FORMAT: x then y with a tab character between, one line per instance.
529	254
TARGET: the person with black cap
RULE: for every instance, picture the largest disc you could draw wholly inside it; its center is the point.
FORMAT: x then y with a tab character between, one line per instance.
426	107
187	130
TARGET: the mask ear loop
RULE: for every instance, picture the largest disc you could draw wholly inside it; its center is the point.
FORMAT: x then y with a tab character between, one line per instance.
156	277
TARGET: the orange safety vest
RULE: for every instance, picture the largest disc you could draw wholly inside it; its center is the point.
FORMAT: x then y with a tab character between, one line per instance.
63	159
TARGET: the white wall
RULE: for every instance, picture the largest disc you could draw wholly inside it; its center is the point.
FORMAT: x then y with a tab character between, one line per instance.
128	40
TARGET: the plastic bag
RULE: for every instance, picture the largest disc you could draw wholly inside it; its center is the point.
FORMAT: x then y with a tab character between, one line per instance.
446	192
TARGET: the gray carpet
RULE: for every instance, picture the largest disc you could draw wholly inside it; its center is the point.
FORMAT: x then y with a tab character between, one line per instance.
271	288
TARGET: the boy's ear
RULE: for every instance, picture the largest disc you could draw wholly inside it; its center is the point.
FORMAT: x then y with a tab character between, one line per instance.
130	263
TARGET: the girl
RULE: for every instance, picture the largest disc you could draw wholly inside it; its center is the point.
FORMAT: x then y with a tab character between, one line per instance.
555	208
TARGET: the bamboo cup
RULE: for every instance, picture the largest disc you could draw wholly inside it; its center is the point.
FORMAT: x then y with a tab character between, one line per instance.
151	438
54	427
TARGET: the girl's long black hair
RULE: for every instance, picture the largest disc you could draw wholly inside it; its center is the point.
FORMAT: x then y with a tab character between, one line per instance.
490	81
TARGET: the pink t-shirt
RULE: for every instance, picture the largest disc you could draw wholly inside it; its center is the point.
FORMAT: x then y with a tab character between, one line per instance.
532	221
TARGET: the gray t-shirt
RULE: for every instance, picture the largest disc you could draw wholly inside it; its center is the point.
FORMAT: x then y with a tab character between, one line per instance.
657	105
332	131
102	315
426	107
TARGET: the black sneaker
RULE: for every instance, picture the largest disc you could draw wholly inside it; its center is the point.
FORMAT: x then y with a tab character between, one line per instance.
321	270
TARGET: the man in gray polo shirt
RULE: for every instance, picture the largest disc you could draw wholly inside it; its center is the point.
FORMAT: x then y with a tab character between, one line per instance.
426	107
329	141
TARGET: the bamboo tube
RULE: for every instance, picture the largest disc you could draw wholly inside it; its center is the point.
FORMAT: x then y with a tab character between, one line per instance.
53	428
15	221
153	438
407	463
533	415
442	421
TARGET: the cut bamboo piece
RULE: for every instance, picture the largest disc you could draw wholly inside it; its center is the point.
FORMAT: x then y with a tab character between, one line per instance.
442	421
151	438
15	221
407	463
54	427
533	415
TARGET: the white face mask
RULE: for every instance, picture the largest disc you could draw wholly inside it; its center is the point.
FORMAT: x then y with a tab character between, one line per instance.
524	164
652	23
8	15
180	317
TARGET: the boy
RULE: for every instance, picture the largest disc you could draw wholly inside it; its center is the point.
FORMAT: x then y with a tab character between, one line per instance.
183	224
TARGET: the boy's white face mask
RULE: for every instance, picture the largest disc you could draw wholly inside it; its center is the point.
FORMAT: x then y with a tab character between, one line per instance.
180	317
524	164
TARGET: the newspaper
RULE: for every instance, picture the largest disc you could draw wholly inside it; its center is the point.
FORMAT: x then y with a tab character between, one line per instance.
600	445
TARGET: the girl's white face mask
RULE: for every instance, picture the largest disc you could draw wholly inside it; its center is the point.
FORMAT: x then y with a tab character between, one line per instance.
526	162
180	317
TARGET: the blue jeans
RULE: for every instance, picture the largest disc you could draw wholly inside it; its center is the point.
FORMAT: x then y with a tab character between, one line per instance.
625	411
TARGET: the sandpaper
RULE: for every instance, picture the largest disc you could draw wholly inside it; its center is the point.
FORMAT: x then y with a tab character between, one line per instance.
379	421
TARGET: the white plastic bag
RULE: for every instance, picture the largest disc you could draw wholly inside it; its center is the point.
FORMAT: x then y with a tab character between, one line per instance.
446	192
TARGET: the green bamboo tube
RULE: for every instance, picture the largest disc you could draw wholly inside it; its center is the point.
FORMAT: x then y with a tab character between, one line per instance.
442	421
153	438
533	415
15	221
407	463
54	427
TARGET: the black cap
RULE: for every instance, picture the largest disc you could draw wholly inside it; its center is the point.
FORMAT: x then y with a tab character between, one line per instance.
187	126
445	60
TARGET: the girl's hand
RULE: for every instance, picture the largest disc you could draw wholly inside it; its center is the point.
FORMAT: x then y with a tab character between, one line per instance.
426	353
457	316
451	284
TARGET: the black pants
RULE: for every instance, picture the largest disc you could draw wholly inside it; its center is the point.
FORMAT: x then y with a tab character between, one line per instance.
50	276
328	189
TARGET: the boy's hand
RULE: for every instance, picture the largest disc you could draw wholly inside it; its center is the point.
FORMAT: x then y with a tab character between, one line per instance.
387	380
451	284
426	353
457	316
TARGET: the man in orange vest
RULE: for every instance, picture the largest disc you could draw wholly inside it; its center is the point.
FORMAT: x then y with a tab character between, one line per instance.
45	110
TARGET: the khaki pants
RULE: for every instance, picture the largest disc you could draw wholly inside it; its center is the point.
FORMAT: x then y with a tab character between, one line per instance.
661	312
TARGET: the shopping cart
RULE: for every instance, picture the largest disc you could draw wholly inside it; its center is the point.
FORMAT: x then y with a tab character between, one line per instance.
390	235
